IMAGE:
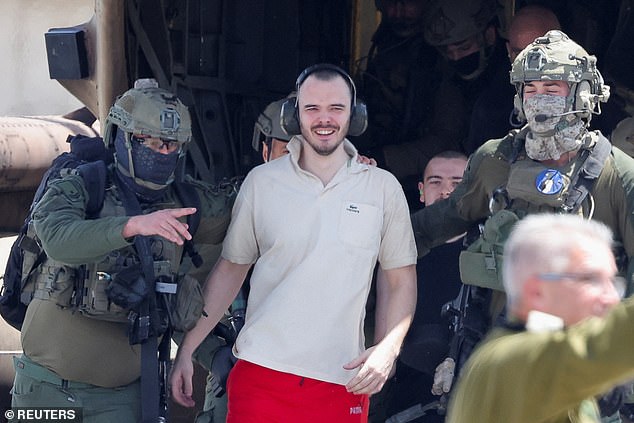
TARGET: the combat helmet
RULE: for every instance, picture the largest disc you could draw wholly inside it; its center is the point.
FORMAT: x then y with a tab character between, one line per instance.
453	21
556	57
149	110
268	125
404	18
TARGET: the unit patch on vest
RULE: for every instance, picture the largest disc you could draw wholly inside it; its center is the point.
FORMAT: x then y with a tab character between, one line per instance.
550	181
536	185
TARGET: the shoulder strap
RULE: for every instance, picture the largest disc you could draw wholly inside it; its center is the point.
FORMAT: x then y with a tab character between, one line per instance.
90	157
518	141
94	176
150	395
189	197
594	159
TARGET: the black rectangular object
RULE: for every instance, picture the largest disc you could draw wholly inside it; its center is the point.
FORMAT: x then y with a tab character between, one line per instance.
66	53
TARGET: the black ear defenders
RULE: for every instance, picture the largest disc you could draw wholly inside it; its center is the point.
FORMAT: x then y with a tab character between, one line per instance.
289	116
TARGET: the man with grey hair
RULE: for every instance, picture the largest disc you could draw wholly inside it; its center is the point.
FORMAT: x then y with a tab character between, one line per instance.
566	338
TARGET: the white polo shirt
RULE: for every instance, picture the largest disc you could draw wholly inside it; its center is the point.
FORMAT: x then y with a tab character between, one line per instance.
314	249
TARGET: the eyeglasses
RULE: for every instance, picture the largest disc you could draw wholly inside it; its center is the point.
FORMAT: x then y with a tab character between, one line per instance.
591	279
157	144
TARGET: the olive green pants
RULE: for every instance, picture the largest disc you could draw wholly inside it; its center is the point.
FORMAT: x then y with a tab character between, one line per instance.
36	386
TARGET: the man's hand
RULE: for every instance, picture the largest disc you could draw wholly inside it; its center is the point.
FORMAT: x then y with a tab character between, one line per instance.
443	377
163	223
375	367
366	160
180	381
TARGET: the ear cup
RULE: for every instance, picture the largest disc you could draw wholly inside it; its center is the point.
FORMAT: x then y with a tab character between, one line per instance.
358	119
583	99
289	117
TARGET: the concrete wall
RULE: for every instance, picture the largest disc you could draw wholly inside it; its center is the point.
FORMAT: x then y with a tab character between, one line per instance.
25	86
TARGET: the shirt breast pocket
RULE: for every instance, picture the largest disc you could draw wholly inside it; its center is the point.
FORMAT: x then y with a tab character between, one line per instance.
360	225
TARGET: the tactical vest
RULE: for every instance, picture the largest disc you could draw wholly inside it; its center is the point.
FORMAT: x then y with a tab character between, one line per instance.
531	187
88	288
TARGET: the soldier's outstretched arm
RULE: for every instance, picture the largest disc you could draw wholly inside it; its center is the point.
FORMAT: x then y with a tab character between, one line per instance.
163	223
377	361
221	288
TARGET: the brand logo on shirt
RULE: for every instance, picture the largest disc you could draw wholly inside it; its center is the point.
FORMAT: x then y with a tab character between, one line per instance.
353	208
356	410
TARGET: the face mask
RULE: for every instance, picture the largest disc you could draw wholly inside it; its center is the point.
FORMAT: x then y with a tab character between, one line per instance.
544	105
467	66
550	137
151	167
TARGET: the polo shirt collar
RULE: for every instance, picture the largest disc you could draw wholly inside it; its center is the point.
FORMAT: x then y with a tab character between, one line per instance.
296	144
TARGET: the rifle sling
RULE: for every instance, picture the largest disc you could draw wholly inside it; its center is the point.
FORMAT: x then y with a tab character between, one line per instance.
149	347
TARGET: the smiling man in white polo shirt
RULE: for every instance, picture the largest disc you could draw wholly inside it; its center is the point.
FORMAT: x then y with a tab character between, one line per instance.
313	224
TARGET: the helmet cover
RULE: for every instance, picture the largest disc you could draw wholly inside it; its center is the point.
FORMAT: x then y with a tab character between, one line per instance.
149	111
453	21
268	124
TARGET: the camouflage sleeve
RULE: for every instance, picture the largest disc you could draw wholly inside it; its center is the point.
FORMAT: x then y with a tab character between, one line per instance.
216	202
439	222
61	224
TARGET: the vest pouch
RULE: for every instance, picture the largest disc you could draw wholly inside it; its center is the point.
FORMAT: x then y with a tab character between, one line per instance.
186	306
481	262
30	251
96	303
54	282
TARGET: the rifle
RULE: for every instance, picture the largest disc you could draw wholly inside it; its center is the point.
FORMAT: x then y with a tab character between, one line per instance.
469	321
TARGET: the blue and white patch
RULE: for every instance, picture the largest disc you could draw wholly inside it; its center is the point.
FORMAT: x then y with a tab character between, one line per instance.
550	181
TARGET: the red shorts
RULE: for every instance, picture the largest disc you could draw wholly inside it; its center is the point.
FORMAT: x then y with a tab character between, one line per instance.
258	394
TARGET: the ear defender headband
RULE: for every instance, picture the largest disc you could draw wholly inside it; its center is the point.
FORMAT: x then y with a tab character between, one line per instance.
289	116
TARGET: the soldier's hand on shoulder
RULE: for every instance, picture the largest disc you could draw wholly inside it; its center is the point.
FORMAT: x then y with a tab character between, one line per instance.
366	160
163	223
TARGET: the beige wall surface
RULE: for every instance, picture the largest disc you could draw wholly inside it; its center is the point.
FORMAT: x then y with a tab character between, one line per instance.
25	86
